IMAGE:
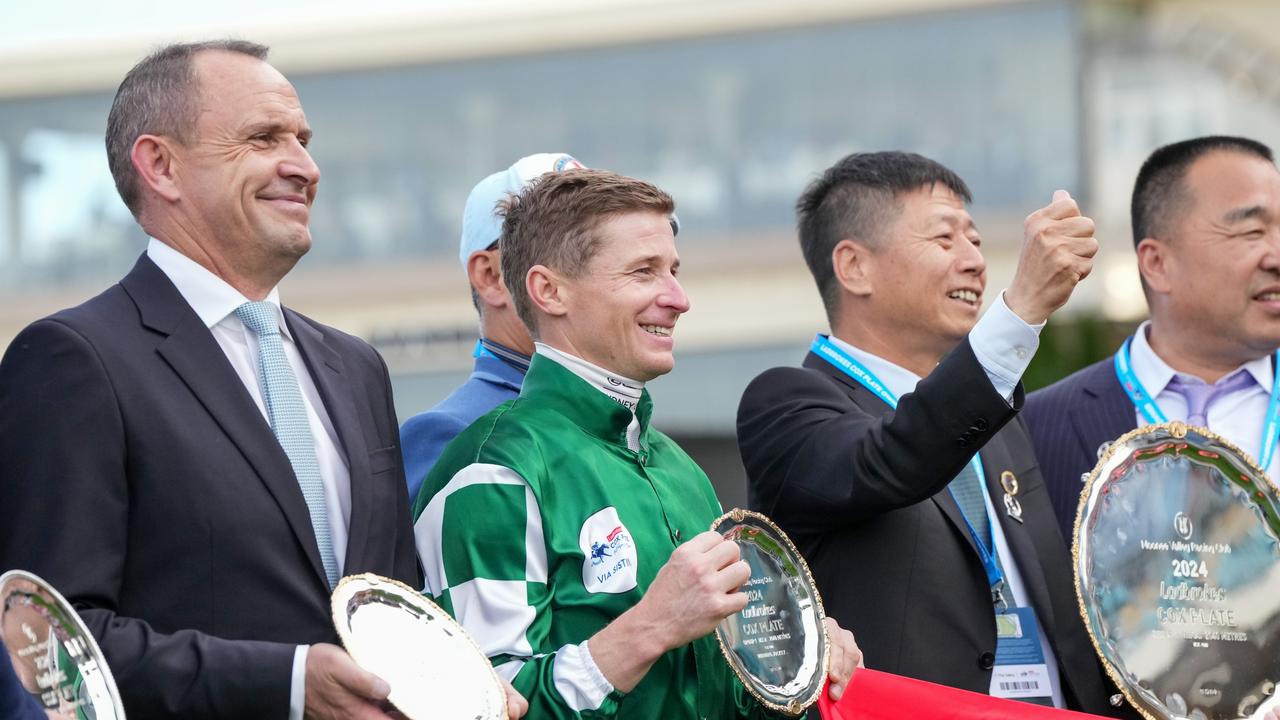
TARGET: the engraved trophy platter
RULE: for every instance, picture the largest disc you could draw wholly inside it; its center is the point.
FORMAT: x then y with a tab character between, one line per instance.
777	644
52	652
435	670
1177	560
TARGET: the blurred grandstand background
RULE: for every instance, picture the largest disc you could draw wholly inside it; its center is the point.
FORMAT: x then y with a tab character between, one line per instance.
731	105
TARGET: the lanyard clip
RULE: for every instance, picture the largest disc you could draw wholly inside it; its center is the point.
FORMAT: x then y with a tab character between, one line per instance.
997	596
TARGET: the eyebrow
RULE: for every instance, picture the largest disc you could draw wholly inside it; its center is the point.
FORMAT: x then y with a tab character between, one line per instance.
653	260
276	127
1246	213
952	219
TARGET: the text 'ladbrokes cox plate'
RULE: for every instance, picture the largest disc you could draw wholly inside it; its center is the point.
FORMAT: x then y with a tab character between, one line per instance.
777	644
1177	559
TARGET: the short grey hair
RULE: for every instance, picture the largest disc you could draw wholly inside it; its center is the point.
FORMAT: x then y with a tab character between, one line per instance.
159	96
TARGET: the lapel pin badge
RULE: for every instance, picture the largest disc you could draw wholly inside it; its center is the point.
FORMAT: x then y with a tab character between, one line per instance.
1012	507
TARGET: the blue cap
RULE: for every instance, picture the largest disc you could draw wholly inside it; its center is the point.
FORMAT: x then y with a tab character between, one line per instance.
481	223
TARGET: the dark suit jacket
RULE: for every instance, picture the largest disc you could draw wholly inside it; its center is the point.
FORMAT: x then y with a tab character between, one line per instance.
140	479
1068	421
861	489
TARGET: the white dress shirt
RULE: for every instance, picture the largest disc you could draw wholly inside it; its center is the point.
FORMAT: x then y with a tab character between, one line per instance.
215	302
1004	345
1237	416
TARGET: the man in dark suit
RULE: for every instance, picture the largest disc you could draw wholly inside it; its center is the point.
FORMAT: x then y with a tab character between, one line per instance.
919	547
190	463
1206	228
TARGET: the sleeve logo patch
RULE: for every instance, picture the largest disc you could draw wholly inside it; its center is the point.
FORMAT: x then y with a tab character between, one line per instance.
609	555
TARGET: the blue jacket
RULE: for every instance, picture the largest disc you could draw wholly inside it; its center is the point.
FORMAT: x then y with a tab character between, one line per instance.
15	702
424	436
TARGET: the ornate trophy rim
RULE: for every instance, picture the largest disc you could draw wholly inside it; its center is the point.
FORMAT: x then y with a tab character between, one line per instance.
370	581
91	644
797	705
1178	430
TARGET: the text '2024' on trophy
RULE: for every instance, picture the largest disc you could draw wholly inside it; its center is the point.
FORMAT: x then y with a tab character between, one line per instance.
53	654
1177	559
434	668
777	644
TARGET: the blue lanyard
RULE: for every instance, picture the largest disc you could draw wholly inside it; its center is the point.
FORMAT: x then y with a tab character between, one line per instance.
846	363
1153	414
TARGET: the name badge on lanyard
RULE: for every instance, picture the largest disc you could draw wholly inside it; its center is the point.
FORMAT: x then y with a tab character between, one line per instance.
1020	672
1146	403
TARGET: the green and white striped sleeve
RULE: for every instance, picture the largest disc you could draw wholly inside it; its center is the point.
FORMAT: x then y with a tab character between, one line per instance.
481	542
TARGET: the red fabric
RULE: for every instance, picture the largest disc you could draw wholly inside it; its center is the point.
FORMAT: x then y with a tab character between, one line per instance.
875	695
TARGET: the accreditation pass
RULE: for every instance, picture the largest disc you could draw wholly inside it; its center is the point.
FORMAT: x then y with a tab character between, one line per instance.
1020	672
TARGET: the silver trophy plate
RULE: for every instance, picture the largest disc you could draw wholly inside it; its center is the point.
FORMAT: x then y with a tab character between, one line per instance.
434	668
1177	559
777	644
53	654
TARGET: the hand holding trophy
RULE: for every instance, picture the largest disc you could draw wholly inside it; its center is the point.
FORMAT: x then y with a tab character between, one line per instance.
777	644
433	667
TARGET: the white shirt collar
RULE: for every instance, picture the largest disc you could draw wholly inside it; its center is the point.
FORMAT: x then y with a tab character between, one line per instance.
1154	373
896	379
209	295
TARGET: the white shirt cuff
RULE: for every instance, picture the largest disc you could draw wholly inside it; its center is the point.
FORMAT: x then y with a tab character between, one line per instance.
578	679
298	684
1004	345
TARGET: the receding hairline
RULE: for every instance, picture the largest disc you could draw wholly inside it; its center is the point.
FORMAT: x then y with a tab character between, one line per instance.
272	120
1188	198
201	60
894	203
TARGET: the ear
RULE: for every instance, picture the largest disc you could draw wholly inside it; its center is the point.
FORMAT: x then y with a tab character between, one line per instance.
1154	260
546	290
484	270
853	264
153	160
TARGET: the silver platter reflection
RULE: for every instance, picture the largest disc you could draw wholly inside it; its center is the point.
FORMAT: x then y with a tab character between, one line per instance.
1177	559
435	670
56	659
777	644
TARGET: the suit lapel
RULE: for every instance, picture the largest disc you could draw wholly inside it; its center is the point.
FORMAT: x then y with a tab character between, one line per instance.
190	349
1103	413
1019	536
872	405
329	374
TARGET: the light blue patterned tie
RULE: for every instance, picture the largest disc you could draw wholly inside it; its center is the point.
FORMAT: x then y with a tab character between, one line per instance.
966	488
288	414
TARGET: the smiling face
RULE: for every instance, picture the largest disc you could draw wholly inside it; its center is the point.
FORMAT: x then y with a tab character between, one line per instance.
1218	280
622	310
927	275
246	180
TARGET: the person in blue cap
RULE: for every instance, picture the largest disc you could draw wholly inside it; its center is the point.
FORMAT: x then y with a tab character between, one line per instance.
502	354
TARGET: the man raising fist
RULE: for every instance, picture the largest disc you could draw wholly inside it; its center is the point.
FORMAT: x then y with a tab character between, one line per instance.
890	456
